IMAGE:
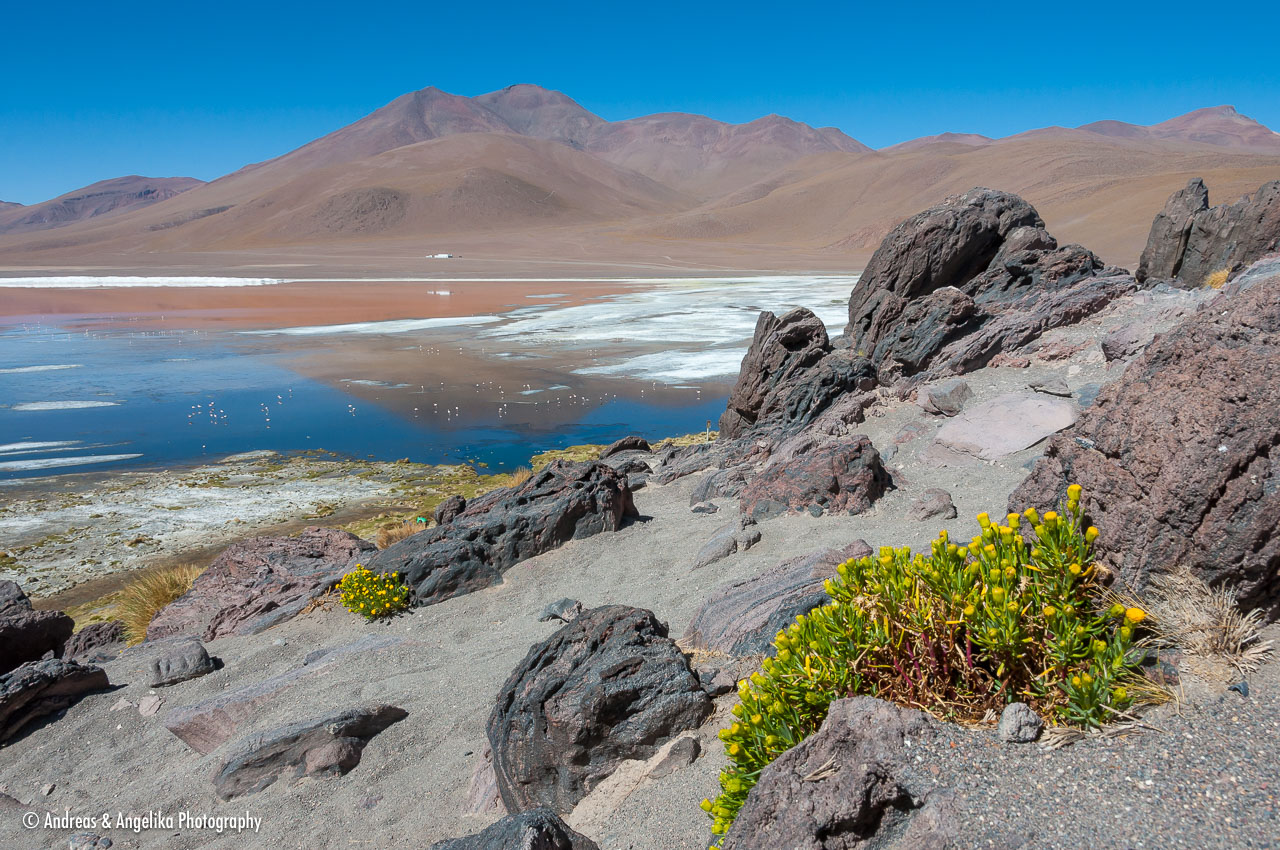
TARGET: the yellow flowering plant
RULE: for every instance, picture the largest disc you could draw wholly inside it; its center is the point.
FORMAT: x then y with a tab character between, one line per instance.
1010	616
372	595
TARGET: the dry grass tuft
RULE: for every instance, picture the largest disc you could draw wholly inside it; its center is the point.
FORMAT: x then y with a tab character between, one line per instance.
396	533
139	602
519	476
1217	279
1205	621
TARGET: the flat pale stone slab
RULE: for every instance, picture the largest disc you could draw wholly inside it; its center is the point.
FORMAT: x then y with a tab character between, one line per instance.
1004	425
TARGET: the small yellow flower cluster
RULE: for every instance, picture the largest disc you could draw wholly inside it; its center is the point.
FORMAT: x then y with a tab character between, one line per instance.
372	595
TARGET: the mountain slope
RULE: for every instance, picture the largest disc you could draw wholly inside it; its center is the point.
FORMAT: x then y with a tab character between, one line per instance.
101	198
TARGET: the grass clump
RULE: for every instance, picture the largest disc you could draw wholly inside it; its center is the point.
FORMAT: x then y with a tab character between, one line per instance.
1010	616
396	533
590	451
520	475
372	595
1218	279
139	601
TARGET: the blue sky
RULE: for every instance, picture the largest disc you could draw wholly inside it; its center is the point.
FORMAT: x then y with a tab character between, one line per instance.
96	90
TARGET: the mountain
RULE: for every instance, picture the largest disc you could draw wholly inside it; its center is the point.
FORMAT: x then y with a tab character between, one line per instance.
972	140
106	196
1215	126
9	205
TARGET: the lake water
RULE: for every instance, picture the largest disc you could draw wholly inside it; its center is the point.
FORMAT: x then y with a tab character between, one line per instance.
657	360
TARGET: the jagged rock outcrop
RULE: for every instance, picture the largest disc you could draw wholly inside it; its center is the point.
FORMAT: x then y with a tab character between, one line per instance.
258	583
448	509
320	747
743	618
564	501
1178	458
812	470
607	687
1190	240
626	444
26	634
847	787
539	829
951	287
790	375
96	641
40	688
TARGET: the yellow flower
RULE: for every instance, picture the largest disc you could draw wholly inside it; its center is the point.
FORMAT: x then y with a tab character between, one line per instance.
1050	518
1075	680
1088	680
734	749
1074	491
1074	569
1117	610
968	610
1049	611
983	519
997	593
1120	694
1091	534
705	805
1135	615
1014	520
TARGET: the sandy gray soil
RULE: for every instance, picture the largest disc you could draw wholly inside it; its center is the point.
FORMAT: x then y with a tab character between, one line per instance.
410	789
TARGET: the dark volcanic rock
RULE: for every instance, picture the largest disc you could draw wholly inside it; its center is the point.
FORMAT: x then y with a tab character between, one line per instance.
321	747
975	277
946	245
627	444
187	660
846	787
841	475
38	688
259	583
607	687
565	501
1178	458
25	634
743	618
206	725
1190	240
448	509
96	640
539	829
790	375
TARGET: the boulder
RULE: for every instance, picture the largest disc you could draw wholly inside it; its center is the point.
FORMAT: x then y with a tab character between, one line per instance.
734	537
99	641
1178	457
608	687
627	444
1124	342
847	786
26	634
951	288
743	618
40	688
565	610
259	583
448	509
320	747
206	725
564	501
944	399
1004	425
840	475
1190	240
539	829
188	659
790	374
933	504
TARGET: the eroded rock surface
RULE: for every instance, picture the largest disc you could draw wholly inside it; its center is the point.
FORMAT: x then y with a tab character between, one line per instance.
1190	240
539	829
836	474
259	583
40	688
608	687
26	634
1178	457
496	531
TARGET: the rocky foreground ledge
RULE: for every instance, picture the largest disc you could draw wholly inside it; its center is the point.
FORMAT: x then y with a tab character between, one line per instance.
562	680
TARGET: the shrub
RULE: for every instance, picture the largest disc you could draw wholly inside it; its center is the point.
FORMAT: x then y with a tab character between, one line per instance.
396	533
1008	617
1217	279
142	598
519	476
372	595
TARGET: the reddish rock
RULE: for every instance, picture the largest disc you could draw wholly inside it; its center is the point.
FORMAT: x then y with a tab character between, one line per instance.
40	688
790	375
608	687
447	510
743	618
1004	425
1190	240
1178	457
26	634
99	640
840	475
259	583
562	502
932	504
627	444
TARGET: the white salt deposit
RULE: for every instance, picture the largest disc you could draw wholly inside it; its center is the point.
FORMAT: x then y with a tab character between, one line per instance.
29	447
18	370
51	462
675	367
63	405
394	326
128	281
